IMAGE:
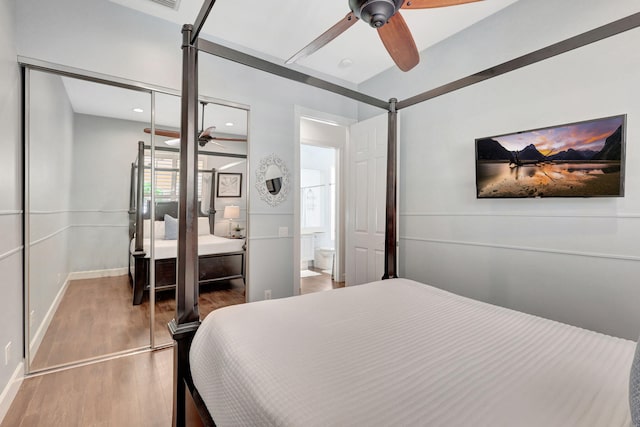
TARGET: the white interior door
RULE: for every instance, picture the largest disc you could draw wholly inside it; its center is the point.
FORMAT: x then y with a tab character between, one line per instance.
367	168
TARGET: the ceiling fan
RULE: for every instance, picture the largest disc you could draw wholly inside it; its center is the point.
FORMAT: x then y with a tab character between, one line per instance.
204	137
384	15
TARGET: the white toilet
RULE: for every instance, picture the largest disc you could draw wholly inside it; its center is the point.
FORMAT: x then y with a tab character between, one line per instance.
324	259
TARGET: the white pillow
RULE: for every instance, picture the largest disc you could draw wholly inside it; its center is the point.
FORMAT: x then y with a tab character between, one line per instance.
170	228
158	229
203	225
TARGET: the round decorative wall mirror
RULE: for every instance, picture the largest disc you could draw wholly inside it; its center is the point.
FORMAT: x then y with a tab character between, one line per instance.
272	180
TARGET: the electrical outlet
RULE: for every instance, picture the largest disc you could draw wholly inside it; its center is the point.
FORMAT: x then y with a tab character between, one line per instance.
267	294
283	232
7	353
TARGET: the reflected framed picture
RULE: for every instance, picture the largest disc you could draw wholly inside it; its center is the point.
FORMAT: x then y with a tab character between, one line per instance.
583	159
229	185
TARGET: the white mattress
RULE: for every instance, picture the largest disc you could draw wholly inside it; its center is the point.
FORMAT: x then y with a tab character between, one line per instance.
207	244
405	354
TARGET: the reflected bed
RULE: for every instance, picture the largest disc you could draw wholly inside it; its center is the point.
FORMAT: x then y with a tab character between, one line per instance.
219	259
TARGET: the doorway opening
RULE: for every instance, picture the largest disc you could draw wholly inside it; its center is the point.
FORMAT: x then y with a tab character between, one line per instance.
321	205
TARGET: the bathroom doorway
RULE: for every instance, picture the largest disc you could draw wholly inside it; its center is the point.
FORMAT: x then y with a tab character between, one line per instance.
321	202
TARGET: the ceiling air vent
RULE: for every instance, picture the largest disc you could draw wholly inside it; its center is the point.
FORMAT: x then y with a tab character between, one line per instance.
173	4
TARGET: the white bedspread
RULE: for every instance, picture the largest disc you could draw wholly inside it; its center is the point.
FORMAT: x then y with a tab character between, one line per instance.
207	244
400	353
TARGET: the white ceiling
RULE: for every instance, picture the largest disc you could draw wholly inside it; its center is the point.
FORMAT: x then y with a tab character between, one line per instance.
279	29
274	33
110	101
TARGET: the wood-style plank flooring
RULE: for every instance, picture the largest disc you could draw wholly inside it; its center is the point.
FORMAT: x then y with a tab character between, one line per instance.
135	390
323	282
96	317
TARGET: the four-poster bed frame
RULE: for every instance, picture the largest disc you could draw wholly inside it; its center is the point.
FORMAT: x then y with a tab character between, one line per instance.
187	319
213	268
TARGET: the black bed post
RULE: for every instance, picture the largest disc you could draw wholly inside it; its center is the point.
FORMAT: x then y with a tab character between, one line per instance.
390	263
187	317
132	202
140	199
140	264
212	203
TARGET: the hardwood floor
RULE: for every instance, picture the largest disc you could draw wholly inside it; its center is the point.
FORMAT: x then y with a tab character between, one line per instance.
135	390
96	317
210	299
322	282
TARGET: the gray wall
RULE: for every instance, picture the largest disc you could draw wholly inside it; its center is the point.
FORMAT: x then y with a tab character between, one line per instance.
50	164
103	150
10	195
272	130
573	260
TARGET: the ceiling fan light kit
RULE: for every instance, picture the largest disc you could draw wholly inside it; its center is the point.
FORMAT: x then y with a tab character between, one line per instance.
375	12
383	15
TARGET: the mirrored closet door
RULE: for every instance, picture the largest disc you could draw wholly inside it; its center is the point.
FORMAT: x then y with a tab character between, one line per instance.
81	139
222	200
101	210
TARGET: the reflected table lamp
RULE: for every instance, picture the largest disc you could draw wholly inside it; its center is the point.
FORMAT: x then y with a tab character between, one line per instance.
231	213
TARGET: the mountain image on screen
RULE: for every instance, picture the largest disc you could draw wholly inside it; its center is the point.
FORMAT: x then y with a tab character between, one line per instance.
578	160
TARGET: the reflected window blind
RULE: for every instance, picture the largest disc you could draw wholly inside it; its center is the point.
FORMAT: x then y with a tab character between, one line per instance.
167	186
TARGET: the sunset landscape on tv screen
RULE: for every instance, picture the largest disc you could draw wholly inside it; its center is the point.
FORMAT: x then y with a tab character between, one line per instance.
584	159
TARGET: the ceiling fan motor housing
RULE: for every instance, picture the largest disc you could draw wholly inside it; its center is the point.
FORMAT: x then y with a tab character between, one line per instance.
375	12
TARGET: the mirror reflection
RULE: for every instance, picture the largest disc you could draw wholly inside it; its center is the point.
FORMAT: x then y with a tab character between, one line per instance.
92	192
273	179
222	258
79	168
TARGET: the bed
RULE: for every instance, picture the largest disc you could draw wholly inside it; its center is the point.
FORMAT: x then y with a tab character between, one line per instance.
395	352
398	352
219	259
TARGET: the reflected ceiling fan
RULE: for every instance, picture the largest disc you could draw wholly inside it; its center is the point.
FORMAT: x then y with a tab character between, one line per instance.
384	15
204	137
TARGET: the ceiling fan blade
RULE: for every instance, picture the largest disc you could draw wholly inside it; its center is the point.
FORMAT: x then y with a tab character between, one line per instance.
343	25
426	4
207	133
164	132
204	141
220	138
397	38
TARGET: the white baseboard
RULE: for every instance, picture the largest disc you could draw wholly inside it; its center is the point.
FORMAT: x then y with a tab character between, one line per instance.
10	390
46	321
95	274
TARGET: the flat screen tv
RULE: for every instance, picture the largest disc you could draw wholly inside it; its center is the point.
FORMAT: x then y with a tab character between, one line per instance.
584	159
